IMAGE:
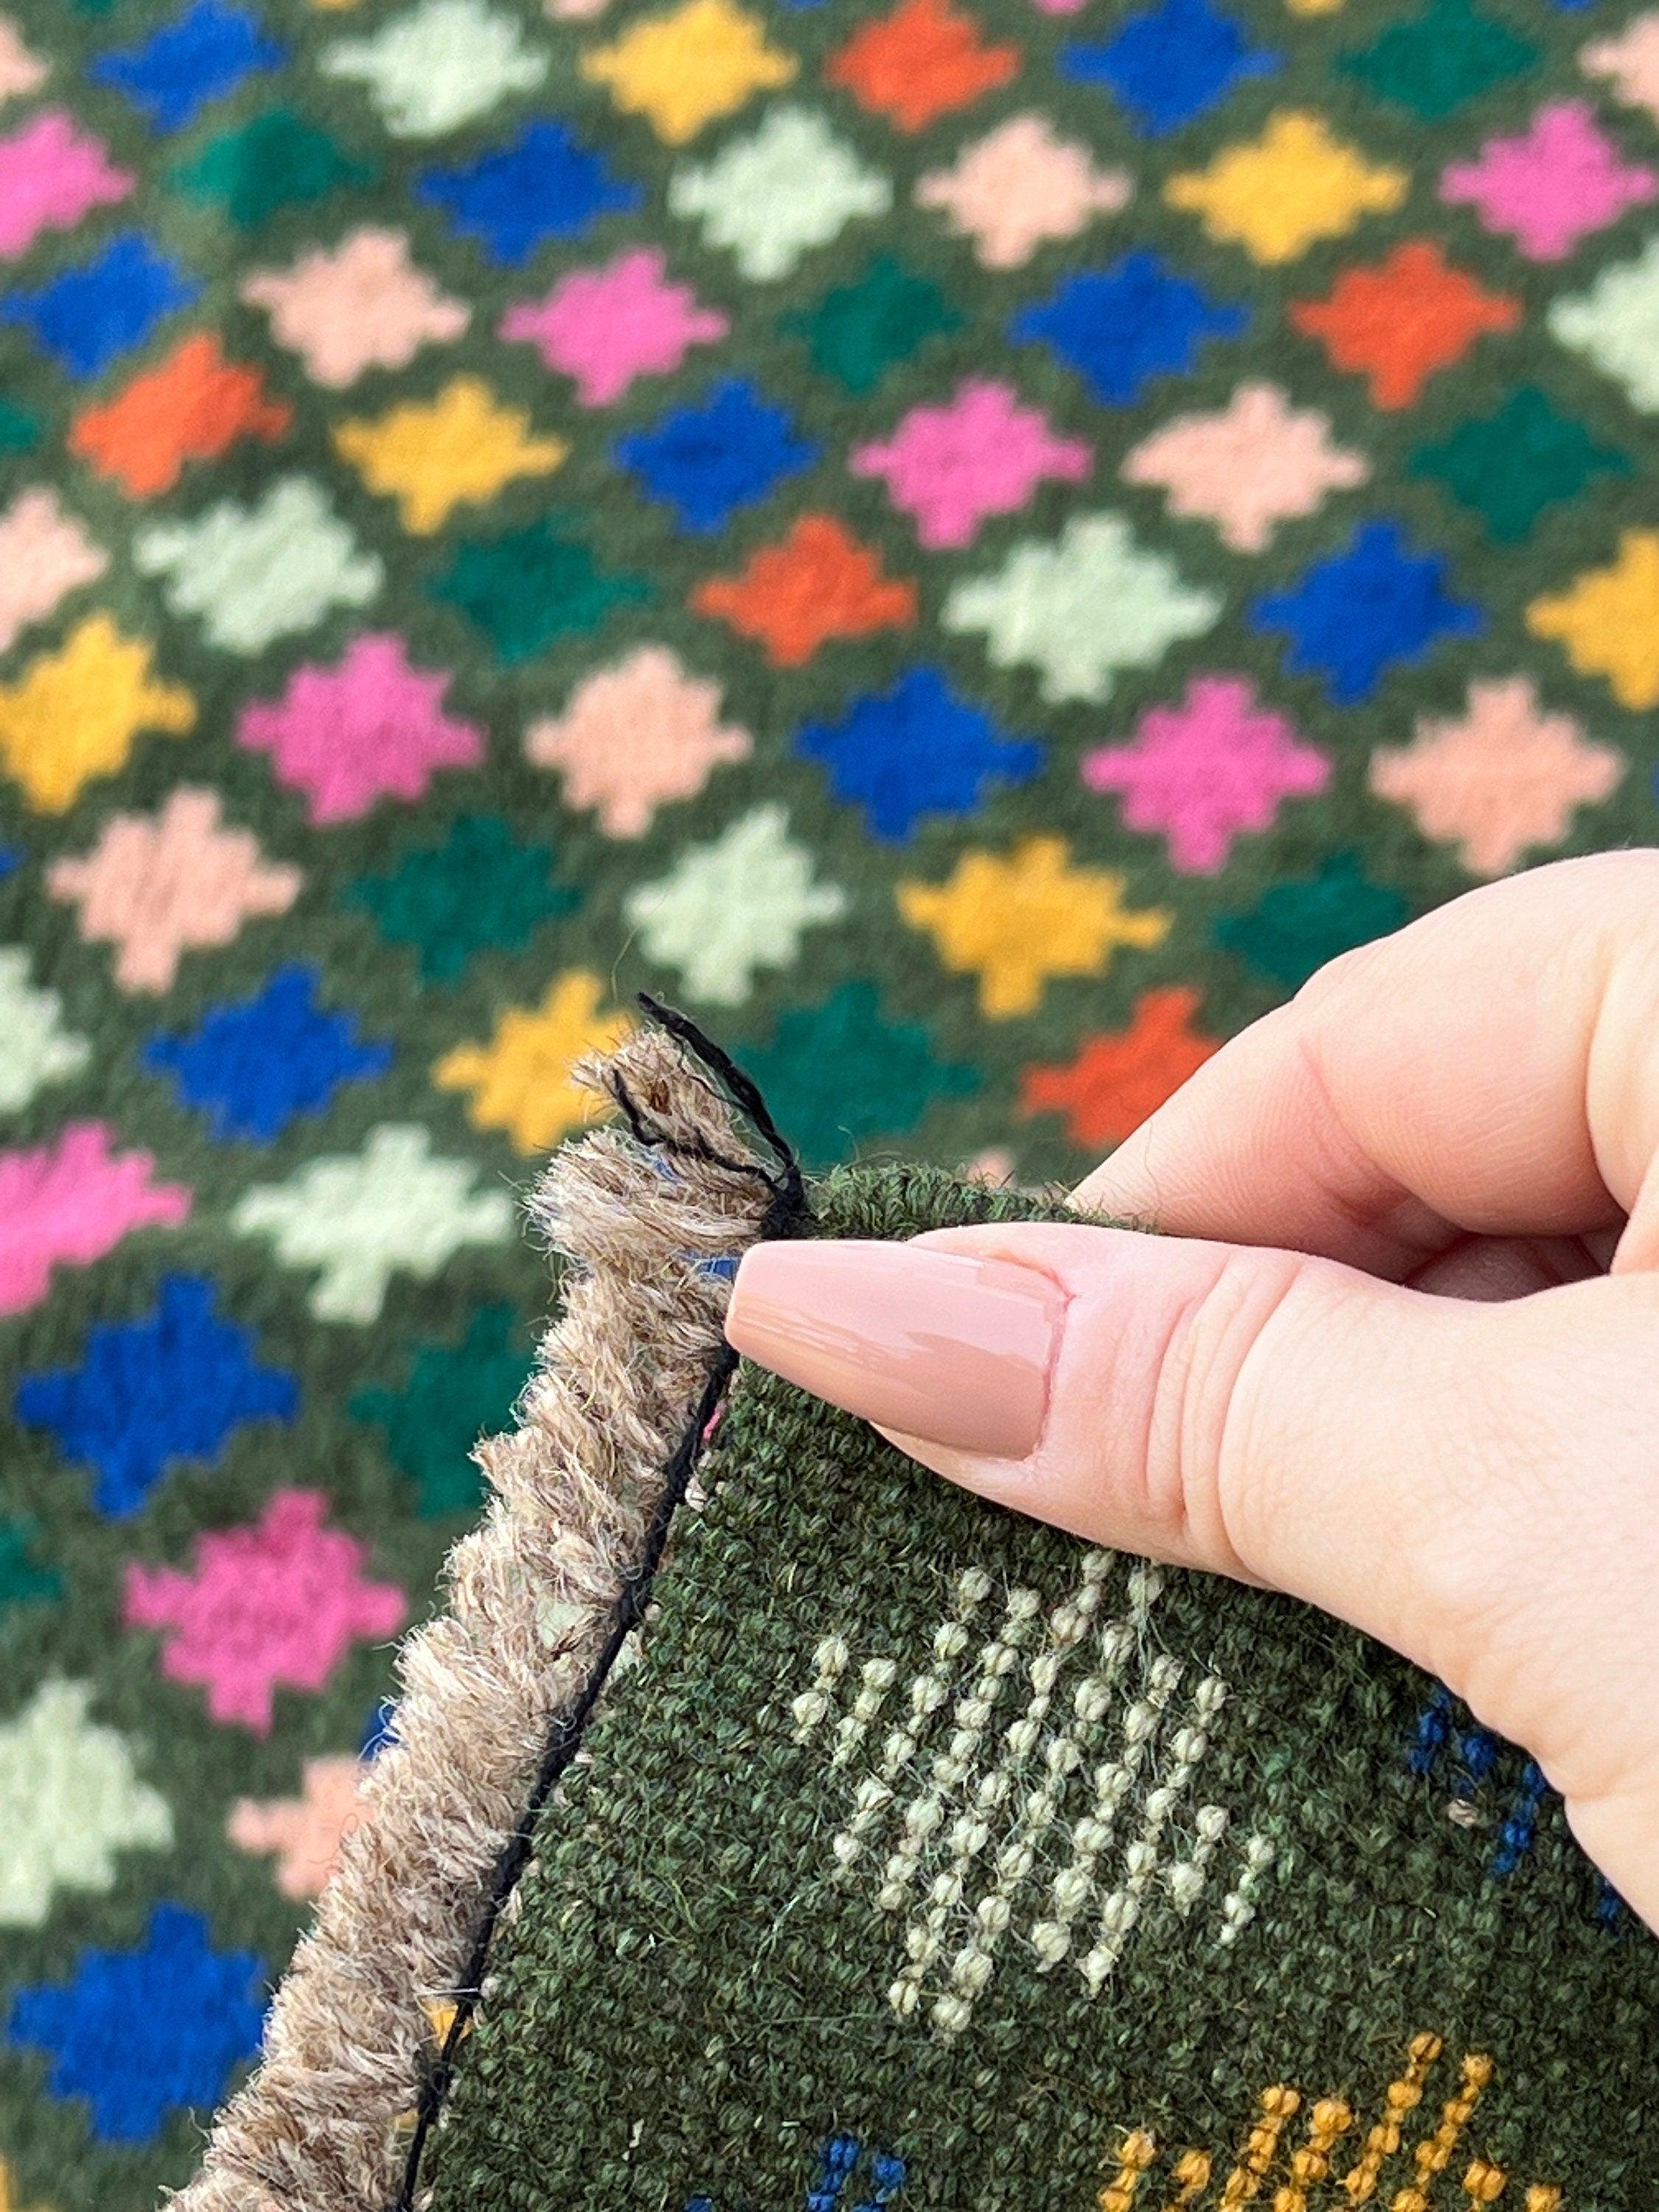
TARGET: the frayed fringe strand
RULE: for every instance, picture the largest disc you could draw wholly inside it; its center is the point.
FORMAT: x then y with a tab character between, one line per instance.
534	1592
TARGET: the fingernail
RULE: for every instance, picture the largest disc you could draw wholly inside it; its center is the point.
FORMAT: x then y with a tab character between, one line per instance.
941	1345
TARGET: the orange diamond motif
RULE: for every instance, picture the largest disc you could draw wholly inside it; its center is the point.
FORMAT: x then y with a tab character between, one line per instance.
1400	322
819	583
920	62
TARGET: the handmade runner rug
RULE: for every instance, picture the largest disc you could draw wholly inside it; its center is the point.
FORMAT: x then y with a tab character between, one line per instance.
972	544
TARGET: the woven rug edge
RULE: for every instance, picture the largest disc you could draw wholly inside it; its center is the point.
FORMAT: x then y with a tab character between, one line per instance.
364	2015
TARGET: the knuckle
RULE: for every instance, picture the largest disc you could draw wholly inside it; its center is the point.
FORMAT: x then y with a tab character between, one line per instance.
1204	1414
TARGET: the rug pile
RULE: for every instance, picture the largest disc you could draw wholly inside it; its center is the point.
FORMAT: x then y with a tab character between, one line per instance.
970	543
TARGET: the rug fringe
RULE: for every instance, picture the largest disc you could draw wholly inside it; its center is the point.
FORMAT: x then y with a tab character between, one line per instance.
360	2019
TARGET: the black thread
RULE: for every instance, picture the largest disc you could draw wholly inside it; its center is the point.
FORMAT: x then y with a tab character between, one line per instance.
787	1216
694	1148
743	1090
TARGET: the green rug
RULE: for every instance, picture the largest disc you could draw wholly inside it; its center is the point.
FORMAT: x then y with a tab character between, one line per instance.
930	1858
972	545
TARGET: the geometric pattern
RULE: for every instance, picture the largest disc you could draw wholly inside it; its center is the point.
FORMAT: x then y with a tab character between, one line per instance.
993	1754
972	542
924	1849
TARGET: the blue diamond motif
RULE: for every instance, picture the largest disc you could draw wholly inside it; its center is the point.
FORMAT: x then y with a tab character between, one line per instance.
142	2034
175	1386
1168	64
1122	326
256	1066
545	184
915	750
1355	614
90	315
707	462
199	58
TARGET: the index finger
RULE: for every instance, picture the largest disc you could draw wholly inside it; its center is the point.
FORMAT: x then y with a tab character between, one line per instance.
1492	1069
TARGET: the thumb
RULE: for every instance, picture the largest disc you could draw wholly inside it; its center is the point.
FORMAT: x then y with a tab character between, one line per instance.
1469	1483
1466	1482
1256	1412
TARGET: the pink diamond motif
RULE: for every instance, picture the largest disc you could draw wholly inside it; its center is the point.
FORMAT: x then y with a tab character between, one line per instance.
634	736
371	728
1256	463
67	1203
156	886
360	305
1019	187
44	555
304	1832
1551	186
52	175
275	1605
1631	61
1499	781
606	326
1203	772
20	72
984	453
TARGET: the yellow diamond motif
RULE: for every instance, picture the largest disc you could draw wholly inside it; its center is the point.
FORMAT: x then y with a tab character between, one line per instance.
1279	194
1607	621
520	1080
1015	922
434	456
685	69
73	714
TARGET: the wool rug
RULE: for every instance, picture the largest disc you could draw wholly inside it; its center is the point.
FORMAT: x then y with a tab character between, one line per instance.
970	543
882	1846
929	1858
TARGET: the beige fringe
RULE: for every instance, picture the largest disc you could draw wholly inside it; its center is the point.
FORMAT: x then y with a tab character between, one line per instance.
322	2126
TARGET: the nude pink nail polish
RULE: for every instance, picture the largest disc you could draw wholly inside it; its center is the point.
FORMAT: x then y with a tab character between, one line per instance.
940	1345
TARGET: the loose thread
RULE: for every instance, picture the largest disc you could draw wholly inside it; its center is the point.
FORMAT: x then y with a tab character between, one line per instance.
746	1094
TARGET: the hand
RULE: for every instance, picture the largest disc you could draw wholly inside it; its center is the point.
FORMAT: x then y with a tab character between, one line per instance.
1398	1355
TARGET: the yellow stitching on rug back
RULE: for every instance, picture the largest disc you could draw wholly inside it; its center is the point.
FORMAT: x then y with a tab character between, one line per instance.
1192	2176
1434	2153
1277	2105
1311	2182
1137	2154
1330	2120
1401	2097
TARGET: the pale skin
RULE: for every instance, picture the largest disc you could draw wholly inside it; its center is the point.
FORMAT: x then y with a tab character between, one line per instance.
1399	1354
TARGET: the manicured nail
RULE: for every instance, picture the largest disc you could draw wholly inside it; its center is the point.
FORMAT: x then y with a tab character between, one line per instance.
941	1345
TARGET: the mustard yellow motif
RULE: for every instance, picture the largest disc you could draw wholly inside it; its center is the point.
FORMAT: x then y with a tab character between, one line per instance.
1137	2154
1331	2159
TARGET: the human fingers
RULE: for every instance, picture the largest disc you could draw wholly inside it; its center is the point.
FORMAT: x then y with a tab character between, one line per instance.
1493	1069
1468	1482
